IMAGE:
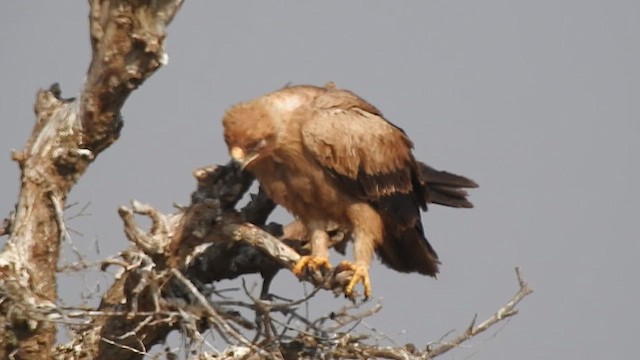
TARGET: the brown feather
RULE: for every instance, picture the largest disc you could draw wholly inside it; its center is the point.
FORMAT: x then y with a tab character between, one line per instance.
444	188
343	136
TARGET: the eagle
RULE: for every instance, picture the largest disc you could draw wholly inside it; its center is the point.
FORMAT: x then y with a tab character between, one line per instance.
332	160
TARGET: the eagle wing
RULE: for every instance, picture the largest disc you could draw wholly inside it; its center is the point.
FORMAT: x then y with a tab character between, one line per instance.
372	157
349	137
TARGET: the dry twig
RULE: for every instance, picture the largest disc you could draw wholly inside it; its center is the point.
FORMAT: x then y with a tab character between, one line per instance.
508	310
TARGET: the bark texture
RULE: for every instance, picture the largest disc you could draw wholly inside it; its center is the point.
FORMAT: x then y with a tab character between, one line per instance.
127	47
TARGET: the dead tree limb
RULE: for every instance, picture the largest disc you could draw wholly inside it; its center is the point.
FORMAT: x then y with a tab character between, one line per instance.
127	47
148	281
349	345
508	310
234	247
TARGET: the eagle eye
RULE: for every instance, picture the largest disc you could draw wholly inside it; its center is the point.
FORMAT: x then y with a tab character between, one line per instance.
256	145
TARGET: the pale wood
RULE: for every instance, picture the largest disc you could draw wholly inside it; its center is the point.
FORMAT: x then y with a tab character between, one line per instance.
127	39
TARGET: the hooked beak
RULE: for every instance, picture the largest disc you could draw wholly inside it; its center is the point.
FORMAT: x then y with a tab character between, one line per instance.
241	158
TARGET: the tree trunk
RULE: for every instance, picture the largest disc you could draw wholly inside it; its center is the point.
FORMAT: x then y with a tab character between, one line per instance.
127	46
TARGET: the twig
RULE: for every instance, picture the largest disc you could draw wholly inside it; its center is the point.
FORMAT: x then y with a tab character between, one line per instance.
505	312
7	224
218	320
126	347
133	332
347	318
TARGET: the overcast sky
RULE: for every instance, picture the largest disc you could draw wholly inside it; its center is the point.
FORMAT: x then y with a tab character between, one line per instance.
538	101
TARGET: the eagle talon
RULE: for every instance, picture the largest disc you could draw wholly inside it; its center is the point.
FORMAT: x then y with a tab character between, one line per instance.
360	274
310	262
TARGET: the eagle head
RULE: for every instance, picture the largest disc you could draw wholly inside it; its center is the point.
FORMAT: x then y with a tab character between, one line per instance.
250	133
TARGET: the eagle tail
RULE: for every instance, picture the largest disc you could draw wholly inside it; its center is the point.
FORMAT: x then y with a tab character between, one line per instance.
403	257
406	249
444	188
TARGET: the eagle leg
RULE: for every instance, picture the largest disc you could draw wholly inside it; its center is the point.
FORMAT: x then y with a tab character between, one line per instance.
360	274
319	258
311	262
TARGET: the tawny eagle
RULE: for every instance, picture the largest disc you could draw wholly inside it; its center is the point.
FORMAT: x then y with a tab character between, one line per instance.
330	157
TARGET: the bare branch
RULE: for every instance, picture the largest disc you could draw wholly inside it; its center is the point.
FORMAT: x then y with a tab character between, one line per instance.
344	318
7	224
217	319
285	255
125	347
508	310
157	238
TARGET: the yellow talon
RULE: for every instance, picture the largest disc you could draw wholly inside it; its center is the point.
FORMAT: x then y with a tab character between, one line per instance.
360	274
311	262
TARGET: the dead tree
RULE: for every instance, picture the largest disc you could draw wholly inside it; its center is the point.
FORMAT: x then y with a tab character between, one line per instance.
164	275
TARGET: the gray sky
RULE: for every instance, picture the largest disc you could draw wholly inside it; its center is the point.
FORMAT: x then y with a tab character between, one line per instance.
538	101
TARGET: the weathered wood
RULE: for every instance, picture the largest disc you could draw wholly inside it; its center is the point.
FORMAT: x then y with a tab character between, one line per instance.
127	43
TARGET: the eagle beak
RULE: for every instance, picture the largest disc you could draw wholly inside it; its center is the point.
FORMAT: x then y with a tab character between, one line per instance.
241	158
